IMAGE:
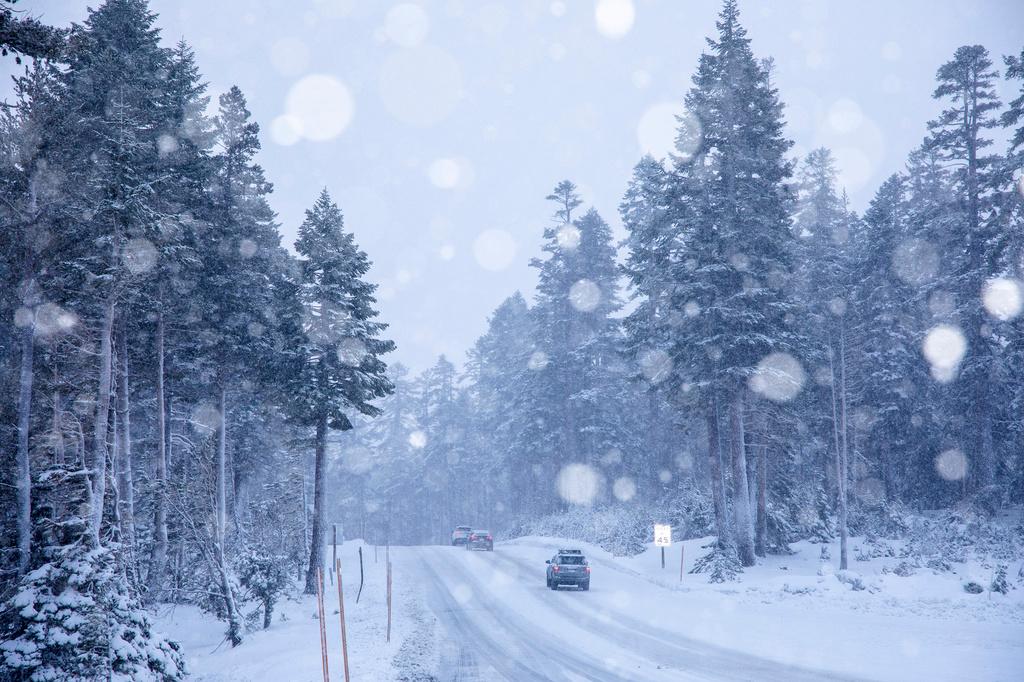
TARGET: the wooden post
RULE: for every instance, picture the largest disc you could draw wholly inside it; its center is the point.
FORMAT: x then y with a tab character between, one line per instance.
389	602
334	550
360	592
682	552
323	624
341	616
375	553
663	558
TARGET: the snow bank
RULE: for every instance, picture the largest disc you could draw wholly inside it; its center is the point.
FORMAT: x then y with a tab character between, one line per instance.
290	648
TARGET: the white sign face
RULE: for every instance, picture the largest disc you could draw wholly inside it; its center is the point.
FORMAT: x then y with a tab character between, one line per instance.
662	535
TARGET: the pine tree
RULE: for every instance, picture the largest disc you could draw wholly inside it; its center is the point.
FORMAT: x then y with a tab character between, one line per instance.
499	369
957	136
581	380
824	249
731	267
343	371
184	149
889	348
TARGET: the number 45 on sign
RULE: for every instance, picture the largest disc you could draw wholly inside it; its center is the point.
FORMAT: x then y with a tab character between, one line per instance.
663	539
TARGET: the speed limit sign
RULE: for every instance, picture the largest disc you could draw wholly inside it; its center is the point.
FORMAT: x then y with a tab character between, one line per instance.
662	535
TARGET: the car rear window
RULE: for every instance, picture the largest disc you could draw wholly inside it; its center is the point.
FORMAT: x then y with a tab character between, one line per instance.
481	532
570	559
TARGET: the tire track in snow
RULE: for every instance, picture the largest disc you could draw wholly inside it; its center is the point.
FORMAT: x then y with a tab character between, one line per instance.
527	653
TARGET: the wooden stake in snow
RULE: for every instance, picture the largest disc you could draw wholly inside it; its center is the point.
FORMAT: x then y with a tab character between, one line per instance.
334	550
360	592
323	624
341	616
682	553
389	601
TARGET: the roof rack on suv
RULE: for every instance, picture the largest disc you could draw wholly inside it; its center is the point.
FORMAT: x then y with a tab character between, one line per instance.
570	551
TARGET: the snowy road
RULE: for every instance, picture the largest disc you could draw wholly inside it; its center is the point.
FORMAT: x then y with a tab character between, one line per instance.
499	621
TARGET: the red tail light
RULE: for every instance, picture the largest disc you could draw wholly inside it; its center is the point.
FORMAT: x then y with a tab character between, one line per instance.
586	569
554	569
472	537
490	538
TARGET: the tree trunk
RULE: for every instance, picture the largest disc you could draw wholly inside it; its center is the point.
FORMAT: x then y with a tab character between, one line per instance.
125	482
222	441
741	494
761	532
23	466
59	456
717	480
842	473
316	541
24	474
305	520
101	423
235	628
158	560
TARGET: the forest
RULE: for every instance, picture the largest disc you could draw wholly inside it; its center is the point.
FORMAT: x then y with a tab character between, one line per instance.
189	404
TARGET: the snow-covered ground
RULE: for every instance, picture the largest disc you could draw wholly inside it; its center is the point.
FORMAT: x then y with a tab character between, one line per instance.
462	615
290	649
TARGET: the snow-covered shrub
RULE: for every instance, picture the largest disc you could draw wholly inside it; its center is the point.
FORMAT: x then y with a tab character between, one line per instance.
989	500
852	579
814	517
973	588
939	565
623	530
999	582
781	529
265	577
689	509
953	536
73	618
905	569
873	548
883	520
721	565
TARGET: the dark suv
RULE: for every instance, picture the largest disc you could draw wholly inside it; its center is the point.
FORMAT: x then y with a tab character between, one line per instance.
568	567
480	539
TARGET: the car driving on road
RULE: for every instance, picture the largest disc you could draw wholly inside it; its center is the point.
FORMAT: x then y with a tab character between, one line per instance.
460	534
568	567
480	539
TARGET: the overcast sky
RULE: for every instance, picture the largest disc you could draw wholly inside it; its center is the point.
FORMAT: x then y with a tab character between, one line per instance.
439	127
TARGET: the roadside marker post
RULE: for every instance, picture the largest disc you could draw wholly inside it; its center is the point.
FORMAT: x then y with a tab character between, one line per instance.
682	551
341	616
389	602
321	616
334	551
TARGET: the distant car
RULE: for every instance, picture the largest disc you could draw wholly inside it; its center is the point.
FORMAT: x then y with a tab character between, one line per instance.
568	567
460	534
480	539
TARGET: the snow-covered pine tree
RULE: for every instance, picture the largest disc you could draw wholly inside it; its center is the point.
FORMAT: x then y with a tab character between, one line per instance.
343	371
583	381
958	138
500	371
184	149
731	203
646	215
1010	247
889	355
823	256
